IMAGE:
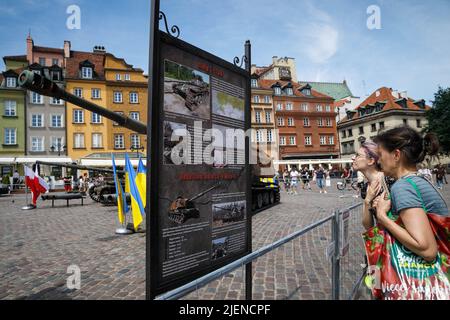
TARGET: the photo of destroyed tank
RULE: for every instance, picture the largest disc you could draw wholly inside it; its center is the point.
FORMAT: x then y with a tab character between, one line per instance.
183	209
186	91
219	248
171	140
227	213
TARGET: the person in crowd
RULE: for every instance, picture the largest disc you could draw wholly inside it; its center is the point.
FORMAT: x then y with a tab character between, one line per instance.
440	175
286	180
16	179
294	180
412	196
425	172
320	179
305	176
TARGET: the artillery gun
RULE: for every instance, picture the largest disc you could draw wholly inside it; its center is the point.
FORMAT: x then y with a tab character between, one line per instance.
193	92
232	213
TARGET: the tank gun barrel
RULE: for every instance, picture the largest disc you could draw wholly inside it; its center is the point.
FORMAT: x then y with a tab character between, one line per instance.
77	166
44	86
201	194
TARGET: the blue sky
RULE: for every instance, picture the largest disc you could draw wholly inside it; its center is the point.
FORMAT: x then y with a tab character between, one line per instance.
329	38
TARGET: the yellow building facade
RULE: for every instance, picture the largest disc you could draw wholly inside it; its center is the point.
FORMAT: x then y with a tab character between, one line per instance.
126	93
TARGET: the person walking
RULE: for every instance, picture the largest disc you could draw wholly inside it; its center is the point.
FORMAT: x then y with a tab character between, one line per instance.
294	180
16	180
286	180
320	179
440	175
305	176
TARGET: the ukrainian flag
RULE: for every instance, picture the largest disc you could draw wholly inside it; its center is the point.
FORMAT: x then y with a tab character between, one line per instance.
141	181
137	207
122	205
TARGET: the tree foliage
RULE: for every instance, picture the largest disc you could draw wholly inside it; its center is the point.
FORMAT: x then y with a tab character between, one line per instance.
439	118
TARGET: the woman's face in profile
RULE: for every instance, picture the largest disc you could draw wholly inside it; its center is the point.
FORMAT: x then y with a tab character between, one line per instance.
386	161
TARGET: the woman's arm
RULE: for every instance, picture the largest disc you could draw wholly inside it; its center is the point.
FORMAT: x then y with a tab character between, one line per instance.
367	218
417	235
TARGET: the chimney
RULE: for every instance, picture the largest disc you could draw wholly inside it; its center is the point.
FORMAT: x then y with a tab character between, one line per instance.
404	94
66	49
30	45
99	49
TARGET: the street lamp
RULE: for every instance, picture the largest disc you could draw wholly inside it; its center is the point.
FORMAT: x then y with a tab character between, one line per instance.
58	148
133	148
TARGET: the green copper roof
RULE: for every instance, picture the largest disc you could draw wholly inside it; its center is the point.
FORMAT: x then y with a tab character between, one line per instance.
336	90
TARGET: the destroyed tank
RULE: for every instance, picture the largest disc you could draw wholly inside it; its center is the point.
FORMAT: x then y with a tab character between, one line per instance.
193	92
182	209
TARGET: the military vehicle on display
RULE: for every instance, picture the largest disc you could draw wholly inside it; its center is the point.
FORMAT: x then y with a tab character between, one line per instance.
265	189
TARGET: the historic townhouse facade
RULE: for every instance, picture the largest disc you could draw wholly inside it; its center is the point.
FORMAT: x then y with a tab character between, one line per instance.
126	93
383	109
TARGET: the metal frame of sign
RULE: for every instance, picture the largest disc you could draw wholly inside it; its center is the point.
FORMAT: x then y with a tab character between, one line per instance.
154	136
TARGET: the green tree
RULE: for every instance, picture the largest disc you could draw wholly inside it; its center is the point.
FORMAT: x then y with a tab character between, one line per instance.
439	118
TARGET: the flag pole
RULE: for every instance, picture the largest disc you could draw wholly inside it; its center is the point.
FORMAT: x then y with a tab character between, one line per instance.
28	206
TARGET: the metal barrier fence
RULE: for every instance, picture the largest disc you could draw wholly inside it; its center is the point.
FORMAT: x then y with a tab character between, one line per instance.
326	256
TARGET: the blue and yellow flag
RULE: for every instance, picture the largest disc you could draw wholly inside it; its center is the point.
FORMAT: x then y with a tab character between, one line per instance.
122	205
137	207
141	181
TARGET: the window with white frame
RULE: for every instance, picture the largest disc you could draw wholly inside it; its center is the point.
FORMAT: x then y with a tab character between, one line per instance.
255	99
36	98
289	106
319	108
37	144
78	139
10	136
268	117
96	118
127	77
42	61
56	101
78	92
277	91
37	120
135	141
117	97
292	140
290	122
254	83
119	141
118	77
329	123
258	116
134	97
10	108
289	91
327	108
97	140
304	107
306	122
323	140
134	115
308	140
78	116
331	140
55	75
55	62
11	82
320	122
306	92
282	141
280	121
269	135
279	106
266	99
86	73
56	120
95	93
258	136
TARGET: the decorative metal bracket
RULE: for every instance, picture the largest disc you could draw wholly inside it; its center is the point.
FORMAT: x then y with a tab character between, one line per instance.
174	30
239	63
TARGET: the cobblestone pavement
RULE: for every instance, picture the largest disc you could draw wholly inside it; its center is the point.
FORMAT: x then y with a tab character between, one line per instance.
37	246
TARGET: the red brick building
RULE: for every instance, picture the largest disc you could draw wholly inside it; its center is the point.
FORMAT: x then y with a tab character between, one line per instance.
306	121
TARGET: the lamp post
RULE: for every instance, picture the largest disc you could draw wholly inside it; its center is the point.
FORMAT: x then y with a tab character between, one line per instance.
134	148
58	148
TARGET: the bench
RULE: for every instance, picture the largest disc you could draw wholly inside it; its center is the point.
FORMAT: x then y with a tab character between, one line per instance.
62	196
